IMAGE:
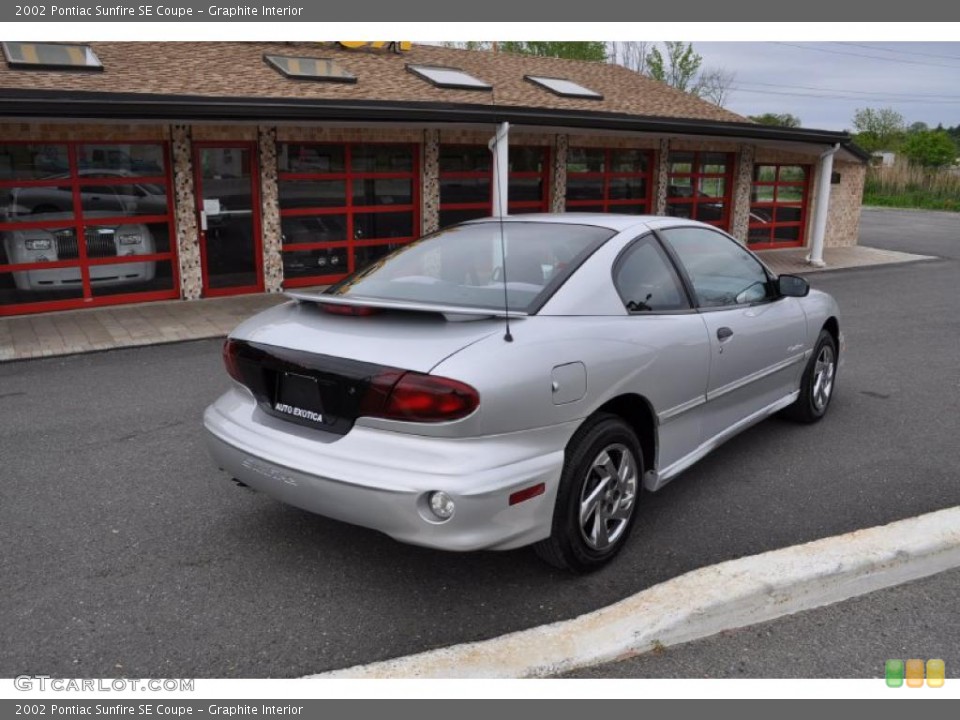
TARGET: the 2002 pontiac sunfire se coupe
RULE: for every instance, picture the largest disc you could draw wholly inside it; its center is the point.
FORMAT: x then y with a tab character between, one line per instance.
446	402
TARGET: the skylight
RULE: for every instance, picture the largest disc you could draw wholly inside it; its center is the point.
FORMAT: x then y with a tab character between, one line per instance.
564	88
448	77
51	55
306	68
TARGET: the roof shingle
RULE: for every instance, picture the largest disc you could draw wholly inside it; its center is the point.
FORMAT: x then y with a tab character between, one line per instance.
237	69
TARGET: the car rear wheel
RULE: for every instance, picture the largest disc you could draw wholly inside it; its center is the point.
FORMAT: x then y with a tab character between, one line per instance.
597	498
818	383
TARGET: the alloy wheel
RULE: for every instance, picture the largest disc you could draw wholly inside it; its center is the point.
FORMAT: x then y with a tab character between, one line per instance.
608	496
823	372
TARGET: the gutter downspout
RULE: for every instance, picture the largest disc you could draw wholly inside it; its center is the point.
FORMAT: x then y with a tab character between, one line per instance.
822	207
500	147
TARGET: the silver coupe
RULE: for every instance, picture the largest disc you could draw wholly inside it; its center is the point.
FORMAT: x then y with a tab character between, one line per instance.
514	382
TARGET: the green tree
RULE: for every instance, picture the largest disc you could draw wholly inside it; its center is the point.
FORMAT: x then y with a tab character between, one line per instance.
778	119
930	148
878	129
953	132
573	50
678	68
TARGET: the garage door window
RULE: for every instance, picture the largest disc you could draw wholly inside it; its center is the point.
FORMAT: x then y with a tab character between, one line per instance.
84	224
699	187
466	181
344	206
609	180
778	206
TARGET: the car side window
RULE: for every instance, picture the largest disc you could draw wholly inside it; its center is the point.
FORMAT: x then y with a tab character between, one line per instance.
722	273
645	279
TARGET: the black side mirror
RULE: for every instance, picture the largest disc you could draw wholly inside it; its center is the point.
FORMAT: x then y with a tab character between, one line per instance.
792	286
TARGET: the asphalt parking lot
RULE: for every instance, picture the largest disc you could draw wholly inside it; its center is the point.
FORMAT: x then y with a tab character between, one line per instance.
127	554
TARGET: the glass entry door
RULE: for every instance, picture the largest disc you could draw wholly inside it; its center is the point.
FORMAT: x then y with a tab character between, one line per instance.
228	205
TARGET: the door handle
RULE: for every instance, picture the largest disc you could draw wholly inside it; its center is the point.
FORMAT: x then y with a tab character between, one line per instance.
724	333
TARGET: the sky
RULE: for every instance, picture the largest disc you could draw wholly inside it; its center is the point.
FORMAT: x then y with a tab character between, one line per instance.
824	83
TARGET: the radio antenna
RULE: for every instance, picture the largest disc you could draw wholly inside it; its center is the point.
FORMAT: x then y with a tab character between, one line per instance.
500	187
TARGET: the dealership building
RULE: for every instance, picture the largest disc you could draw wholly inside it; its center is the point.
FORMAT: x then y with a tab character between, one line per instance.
134	172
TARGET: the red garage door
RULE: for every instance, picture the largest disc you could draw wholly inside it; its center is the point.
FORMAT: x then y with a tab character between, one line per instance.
84	224
466	182
344	206
778	206
699	187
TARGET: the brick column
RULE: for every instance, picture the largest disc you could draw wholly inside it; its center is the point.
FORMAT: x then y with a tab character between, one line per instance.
270	210
742	186
661	178
558	180
185	212
430	185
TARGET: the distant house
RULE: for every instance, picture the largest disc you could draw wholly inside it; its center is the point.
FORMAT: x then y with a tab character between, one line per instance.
883	158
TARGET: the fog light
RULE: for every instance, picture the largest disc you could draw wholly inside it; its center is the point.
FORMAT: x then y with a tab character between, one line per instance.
441	505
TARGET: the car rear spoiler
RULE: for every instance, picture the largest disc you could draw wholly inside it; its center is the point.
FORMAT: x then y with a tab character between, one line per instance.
451	312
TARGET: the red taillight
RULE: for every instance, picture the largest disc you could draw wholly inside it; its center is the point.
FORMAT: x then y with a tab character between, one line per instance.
230	360
354	310
419	398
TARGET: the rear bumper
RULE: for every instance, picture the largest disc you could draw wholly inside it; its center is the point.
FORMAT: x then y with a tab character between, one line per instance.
381	479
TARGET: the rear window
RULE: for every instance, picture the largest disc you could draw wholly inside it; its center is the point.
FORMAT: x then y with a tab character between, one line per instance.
464	265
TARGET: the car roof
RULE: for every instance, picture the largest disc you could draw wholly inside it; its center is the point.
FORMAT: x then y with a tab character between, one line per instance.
613	221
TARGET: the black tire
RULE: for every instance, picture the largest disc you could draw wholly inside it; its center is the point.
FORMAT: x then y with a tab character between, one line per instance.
811	405
568	546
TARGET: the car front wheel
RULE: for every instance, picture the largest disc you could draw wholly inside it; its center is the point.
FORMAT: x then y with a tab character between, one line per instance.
818	383
597	498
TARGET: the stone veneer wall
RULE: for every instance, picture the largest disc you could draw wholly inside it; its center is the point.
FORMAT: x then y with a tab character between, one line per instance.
662	179
270	230
742	185
185	213
430	182
558	180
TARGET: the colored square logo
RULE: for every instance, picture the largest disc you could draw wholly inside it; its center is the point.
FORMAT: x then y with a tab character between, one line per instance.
893	671
914	673
936	672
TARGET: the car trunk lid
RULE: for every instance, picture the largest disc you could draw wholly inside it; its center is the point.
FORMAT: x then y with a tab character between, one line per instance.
323	371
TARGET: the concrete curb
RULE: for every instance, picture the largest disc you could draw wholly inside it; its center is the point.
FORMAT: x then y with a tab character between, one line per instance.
701	603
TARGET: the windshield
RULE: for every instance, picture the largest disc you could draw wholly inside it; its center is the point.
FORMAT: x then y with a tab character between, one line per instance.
463	265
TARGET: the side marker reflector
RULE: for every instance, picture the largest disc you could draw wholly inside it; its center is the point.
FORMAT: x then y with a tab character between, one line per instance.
531	492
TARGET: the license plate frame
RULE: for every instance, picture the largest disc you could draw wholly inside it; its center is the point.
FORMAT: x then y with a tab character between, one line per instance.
298	398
